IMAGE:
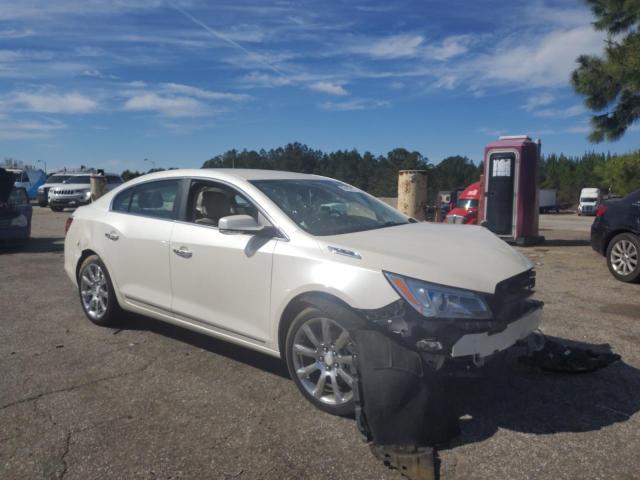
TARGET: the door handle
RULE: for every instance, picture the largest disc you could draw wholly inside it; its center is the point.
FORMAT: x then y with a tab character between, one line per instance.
112	235
183	252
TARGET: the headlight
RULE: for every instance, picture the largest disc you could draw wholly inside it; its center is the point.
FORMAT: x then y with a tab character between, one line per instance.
86	192
19	221
438	301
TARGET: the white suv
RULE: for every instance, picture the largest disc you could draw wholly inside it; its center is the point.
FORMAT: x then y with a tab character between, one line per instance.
76	191
293	265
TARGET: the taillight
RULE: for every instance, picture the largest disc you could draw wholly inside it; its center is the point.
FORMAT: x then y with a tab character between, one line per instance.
601	210
67	224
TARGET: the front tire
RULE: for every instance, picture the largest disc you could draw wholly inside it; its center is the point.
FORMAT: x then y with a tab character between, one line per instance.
97	296
319	354
623	257
56	209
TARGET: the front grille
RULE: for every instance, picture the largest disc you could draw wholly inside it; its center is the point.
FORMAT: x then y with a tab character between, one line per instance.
523	283
510	299
65	192
457	219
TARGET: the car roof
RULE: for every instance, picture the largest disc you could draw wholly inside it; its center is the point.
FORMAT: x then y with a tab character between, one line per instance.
82	174
247	174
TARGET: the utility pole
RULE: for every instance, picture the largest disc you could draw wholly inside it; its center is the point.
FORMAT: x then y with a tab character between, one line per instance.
153	164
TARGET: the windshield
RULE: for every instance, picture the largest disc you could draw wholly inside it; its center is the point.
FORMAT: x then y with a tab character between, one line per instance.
57	178
588	200
467	203
329	207
79	179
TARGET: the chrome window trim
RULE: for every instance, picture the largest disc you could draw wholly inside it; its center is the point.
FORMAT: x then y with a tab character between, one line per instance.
283	235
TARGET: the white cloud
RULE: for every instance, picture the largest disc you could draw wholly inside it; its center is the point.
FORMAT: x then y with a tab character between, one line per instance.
51	102
537	61
330	88
16	129
98	74
16	33
568	112
355	104
449	48
168	106
396	46
205	94
538	100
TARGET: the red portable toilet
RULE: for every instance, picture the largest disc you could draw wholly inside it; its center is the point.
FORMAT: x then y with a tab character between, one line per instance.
511	189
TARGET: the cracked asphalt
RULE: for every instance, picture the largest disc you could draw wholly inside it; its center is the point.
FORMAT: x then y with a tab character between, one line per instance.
149	400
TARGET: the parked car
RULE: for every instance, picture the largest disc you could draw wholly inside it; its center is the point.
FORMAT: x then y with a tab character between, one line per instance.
466	209
15	218
615	233
590	198
53	180
292	265
29	179
76	191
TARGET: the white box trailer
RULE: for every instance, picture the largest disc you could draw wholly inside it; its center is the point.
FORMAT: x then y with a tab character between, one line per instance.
548	200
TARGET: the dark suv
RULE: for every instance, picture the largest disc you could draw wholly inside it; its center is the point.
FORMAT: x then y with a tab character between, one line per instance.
615	233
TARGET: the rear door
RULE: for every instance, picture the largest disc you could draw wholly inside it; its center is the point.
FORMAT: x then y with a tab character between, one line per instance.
219	279
136	239
500	192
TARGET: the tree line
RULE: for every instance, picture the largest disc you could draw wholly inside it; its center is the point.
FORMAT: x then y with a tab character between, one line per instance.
614	174
378	175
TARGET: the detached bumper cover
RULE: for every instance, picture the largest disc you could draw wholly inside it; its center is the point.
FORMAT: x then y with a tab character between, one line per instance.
486	344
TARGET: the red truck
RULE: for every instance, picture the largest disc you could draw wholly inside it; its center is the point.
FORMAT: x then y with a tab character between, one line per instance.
466	209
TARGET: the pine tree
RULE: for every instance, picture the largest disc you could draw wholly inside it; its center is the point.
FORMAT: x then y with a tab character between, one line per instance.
611	83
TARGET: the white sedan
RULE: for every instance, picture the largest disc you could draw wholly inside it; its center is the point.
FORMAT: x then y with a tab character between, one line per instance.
292	265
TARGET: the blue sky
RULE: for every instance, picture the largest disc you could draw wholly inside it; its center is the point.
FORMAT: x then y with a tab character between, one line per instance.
109	83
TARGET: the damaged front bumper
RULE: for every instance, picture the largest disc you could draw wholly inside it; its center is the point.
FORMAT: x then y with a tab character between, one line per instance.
403	357
454	341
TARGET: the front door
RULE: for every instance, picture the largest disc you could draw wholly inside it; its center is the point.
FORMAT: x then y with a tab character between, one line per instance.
500	186
219	279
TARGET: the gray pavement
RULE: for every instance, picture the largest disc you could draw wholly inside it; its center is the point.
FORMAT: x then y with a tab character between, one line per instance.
153	401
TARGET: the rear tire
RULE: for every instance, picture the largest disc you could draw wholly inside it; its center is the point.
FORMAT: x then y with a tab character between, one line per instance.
319	352
97	296
623	257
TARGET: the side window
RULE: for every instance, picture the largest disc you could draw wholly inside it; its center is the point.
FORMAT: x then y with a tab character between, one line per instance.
122	201
208	202
155	199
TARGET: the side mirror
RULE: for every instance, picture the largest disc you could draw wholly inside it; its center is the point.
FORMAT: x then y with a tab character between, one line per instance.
242	224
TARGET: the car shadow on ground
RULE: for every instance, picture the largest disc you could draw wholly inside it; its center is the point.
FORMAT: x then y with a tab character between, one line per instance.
199	340
524	399
565	243
37	245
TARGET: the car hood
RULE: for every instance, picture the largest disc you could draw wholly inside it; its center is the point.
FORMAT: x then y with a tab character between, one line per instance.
461	256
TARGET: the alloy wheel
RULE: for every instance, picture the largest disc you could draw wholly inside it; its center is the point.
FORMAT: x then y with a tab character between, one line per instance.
624	257
322	358
94	291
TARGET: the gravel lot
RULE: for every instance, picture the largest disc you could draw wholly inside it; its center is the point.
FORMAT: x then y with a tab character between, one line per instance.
154	401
